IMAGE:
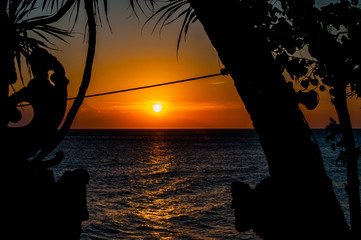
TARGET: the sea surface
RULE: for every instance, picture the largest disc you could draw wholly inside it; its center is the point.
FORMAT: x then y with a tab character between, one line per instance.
171	184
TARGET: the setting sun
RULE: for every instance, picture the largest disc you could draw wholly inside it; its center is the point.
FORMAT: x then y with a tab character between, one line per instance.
157	107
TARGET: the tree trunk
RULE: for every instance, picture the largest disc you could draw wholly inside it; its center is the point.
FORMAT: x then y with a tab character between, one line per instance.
305	200
89	7
319	45
353	182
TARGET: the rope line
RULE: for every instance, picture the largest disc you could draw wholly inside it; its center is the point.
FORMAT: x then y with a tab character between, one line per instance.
152	86
222	72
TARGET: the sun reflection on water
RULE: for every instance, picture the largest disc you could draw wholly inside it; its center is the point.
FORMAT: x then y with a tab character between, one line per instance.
157	204
160	157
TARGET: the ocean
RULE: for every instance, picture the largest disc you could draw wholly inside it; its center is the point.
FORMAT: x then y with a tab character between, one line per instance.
172	184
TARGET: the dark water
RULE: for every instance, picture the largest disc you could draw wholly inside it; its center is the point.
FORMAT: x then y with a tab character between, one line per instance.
171	184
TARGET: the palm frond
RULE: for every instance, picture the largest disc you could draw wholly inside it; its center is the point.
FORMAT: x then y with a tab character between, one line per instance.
22	49
165	12
58	5
172	12
24	24
52	31
18	9
22	13
30	16
190	17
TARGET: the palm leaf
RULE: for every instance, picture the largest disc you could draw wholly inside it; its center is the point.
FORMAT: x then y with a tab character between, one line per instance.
55	32
190	17
19	14
22	13
19	8
171	12
165	13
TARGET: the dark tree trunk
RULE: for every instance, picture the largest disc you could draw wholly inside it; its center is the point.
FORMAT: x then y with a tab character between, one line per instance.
301	199
353	182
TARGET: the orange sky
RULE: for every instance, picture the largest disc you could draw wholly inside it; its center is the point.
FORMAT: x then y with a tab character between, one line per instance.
129	57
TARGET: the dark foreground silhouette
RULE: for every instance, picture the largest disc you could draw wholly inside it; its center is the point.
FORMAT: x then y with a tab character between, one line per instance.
48	99
35	206
267	210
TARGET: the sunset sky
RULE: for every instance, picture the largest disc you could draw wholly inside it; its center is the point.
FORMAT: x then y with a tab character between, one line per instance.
131	56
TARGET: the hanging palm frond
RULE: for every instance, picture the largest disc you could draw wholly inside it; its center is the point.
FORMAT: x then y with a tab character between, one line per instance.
31	22
172	12
20	19
65	5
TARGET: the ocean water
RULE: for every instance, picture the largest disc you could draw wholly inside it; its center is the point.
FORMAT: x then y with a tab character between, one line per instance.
171	184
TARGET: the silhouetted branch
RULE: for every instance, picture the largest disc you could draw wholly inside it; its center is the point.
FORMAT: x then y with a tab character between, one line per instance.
87	71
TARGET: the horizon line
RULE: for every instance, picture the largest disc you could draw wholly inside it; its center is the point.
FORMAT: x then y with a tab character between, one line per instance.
180	128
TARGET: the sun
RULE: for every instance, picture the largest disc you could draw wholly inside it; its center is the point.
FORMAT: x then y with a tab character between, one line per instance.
157	107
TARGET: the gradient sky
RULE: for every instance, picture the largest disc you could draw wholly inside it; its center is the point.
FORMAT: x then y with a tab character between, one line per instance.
131	56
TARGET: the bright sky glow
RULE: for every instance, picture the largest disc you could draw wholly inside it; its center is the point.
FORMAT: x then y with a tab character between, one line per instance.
131	56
